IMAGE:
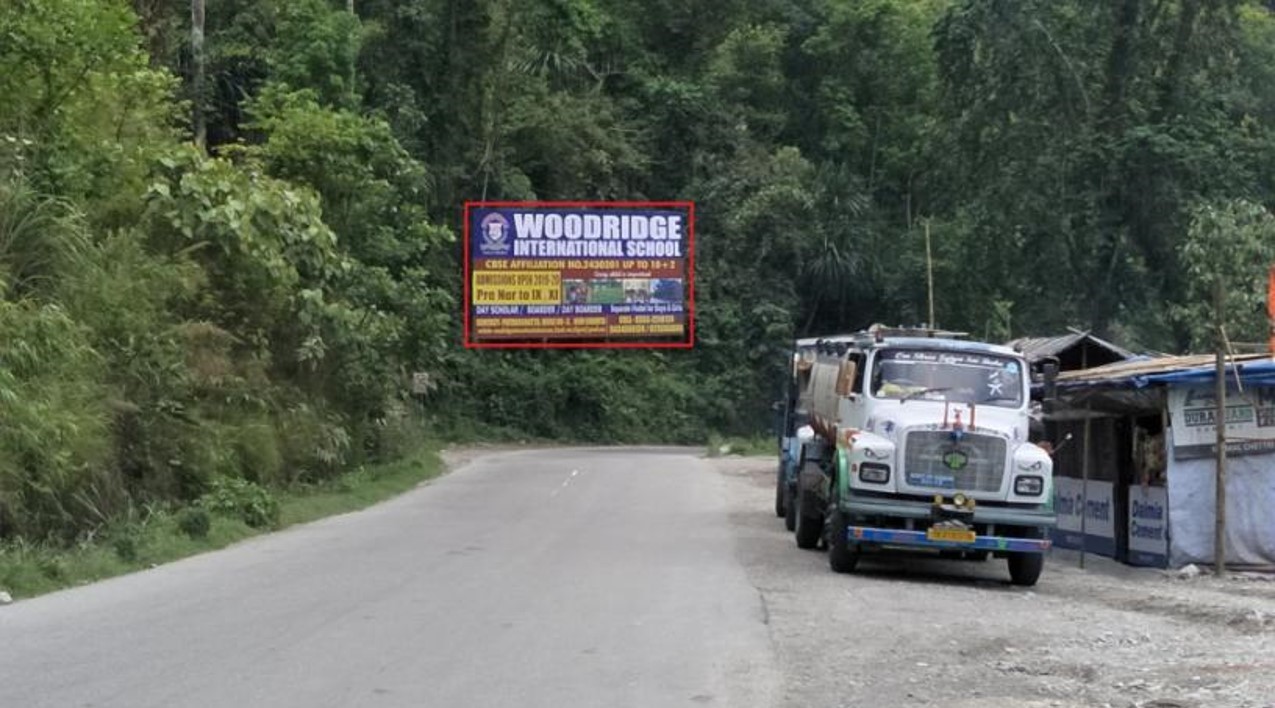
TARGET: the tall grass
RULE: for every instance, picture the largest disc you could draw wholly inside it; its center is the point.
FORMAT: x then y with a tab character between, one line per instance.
150	536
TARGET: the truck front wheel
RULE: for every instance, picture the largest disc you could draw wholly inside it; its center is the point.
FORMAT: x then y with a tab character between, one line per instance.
1024	568
809	525
842	557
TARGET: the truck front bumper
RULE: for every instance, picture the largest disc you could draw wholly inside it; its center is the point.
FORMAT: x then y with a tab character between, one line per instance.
893	537
878	521
860	507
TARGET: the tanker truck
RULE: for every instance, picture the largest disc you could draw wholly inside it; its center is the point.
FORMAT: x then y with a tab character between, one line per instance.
920	443
793	426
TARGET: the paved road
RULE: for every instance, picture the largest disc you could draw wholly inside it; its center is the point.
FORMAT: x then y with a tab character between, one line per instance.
552	578
625	578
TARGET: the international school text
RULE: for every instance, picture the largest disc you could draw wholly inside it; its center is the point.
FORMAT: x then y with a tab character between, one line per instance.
597	235
593	274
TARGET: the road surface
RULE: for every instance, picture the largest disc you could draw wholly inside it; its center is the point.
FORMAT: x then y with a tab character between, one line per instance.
638	577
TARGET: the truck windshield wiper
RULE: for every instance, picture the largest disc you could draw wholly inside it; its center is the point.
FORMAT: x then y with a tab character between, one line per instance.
924	391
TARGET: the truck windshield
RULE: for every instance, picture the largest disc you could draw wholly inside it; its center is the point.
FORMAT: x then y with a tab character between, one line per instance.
962	377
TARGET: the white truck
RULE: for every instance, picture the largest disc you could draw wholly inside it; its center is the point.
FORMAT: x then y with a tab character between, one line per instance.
921	442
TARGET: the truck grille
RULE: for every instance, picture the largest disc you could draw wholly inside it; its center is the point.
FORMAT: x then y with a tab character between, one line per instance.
933	460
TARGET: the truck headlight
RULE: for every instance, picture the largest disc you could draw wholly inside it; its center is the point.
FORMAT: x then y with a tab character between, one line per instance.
874	472
1029	486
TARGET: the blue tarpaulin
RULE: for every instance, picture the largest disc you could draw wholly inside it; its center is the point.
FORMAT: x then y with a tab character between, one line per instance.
1252	372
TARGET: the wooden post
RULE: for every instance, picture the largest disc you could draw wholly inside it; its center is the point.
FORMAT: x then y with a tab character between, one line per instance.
929	273
197	81
1219	526
1084	463
1084	481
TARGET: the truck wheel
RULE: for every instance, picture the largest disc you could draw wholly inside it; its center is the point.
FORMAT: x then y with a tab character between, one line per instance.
780	511
809	527
842	557
790	512
1024	568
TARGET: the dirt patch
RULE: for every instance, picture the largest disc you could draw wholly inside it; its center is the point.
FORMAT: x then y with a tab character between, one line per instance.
911	631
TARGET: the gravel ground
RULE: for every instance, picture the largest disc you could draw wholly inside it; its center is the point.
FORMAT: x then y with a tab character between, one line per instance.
909	631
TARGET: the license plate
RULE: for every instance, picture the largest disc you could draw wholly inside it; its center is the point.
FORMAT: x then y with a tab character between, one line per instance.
951	535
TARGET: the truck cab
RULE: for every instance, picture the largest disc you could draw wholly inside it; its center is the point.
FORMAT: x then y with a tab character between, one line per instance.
921	441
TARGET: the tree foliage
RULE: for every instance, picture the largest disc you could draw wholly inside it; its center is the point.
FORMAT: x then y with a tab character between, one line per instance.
1229	250
176	318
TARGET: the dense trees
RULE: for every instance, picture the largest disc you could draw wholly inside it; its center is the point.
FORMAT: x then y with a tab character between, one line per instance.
255	310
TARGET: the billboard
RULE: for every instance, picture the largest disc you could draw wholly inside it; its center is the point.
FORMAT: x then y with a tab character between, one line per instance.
579	274
1250	421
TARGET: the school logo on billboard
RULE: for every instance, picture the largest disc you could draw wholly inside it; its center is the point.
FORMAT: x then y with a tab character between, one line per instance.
495	240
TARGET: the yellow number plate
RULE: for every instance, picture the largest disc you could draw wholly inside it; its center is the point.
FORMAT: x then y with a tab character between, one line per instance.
950	535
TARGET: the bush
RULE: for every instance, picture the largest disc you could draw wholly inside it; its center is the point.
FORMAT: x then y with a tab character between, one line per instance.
53	567
239	498
125	546
257	450
398	433
54	431
313	444
195	522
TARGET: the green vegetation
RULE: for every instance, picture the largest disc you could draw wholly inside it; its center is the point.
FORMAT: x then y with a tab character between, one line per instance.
228	319
148	537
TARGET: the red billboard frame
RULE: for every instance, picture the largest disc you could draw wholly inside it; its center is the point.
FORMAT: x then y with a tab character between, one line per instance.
688	343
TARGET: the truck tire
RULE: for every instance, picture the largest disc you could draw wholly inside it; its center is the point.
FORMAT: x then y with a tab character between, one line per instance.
790	512
1024	568
780	507
842	556
809	526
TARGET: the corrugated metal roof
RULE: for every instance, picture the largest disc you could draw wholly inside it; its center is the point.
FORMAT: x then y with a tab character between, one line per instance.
1138	368
1037	347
